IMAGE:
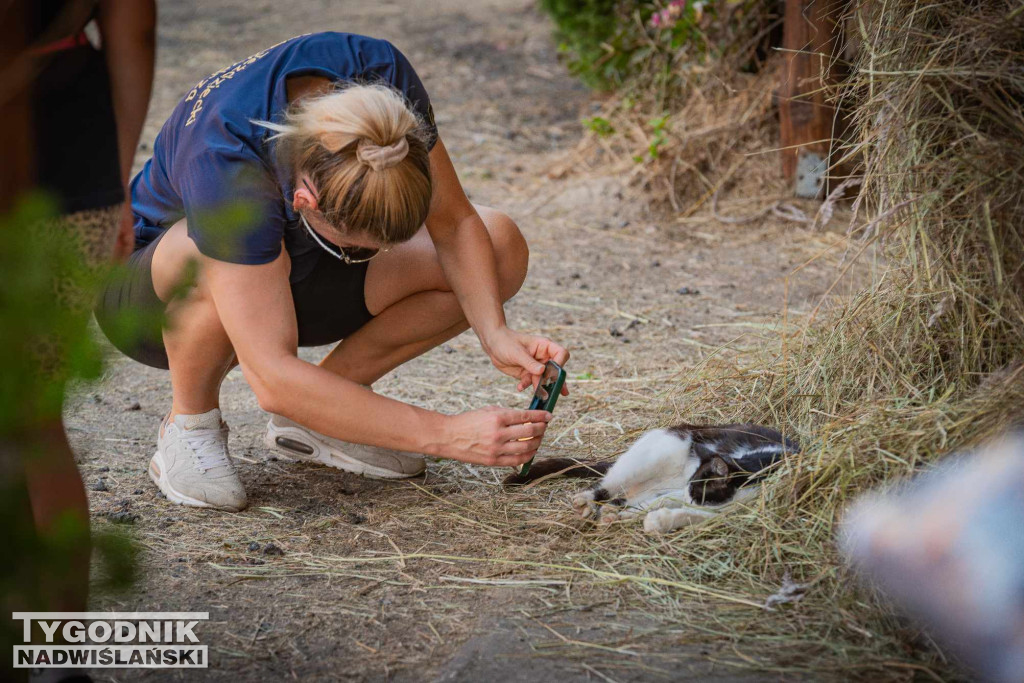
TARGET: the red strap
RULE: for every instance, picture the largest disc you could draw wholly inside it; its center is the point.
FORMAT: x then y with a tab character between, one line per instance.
73	41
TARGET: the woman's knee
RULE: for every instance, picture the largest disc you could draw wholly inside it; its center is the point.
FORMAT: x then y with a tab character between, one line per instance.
510	249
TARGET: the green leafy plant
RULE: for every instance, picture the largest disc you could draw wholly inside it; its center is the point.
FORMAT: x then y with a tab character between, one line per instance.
609	42
689	80
600	126
41	263
597	37
658	135
46	298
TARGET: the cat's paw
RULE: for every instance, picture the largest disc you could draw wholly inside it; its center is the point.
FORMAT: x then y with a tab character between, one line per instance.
611	514
660	521
666	520
584	504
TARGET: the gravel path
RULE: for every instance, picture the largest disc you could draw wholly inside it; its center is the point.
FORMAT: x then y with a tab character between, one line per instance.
638	299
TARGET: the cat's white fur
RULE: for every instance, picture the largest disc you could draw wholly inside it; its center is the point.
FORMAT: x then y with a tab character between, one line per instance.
666	519
654	477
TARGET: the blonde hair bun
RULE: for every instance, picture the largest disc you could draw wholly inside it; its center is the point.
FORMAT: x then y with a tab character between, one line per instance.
367	152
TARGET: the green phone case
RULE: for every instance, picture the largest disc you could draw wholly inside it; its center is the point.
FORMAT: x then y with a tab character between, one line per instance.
554	389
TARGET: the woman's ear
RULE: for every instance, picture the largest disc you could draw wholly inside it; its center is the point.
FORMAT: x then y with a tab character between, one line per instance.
302	198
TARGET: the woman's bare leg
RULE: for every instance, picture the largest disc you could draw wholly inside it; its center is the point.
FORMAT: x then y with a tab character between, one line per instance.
405	287
198	348
60	509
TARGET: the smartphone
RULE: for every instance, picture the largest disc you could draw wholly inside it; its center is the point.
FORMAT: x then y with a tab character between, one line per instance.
545	396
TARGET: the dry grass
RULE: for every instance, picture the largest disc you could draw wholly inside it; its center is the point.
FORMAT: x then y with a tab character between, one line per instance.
684	127
926	360
680	161
923	361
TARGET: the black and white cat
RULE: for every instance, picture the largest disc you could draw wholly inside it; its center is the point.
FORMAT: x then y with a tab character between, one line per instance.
677	476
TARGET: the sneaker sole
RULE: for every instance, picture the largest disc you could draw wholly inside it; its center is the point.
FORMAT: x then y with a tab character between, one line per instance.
293	444
157	472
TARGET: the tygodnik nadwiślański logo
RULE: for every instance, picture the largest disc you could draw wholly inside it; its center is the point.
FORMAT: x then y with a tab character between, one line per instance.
111	640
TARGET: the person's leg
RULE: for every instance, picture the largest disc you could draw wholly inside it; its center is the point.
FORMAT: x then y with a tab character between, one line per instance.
60	510
191	465
414	307
415	310
60	547
199	352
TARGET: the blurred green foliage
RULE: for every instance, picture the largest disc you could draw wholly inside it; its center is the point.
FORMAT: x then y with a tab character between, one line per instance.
599	125
588	31
46	296
658	135
607	42
40	263
47	292
46	300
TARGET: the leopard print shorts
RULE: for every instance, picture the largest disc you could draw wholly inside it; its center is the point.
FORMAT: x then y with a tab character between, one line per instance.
93	232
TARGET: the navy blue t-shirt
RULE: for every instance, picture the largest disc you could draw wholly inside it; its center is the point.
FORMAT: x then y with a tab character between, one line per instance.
215	167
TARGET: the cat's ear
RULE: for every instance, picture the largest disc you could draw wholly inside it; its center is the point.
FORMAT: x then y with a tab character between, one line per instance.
719	467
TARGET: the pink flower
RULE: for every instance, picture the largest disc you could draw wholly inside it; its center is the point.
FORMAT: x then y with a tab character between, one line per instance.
667	17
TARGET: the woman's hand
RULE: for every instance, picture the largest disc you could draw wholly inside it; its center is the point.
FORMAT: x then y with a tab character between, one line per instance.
523	355
124	243
496	437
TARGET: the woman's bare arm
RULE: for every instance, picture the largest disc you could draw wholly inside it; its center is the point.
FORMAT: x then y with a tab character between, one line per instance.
467	258
128	30
465	250
254	303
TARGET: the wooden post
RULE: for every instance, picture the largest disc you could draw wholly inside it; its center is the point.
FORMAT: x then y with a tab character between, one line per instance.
806	121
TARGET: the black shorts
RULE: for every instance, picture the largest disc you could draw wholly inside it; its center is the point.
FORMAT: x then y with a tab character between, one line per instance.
330	303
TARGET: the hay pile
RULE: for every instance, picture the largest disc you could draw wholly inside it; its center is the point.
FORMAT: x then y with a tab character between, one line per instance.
926	360
698	101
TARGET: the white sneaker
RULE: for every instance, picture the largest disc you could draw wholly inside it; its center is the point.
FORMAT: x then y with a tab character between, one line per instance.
295	442
191	464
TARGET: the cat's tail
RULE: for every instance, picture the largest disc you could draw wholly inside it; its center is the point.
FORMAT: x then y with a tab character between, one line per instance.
558	467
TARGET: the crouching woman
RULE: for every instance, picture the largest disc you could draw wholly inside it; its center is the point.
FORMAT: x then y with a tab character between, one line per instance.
358	232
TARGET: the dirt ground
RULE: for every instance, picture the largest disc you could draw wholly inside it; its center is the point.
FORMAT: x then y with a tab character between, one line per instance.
640	301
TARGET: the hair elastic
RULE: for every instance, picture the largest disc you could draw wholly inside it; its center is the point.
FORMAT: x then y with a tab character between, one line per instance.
377	157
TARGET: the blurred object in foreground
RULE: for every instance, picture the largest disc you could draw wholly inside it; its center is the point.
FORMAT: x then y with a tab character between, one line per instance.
948	549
